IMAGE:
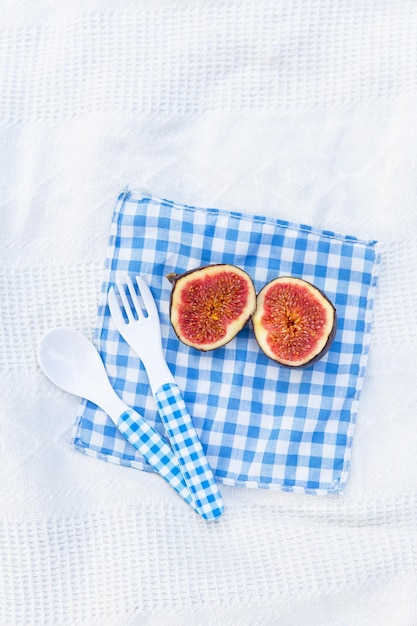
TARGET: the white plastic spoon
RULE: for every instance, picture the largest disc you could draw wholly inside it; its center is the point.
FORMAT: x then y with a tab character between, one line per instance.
72	362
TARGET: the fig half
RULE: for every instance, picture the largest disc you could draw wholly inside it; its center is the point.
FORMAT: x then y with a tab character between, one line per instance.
210	305
294	322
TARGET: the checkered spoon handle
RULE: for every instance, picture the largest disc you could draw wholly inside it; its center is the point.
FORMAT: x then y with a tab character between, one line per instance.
137	321
154	449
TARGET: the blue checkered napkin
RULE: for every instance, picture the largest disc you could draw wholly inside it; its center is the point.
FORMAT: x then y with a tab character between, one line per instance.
261	425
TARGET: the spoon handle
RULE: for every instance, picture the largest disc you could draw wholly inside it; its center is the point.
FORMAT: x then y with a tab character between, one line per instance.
155	450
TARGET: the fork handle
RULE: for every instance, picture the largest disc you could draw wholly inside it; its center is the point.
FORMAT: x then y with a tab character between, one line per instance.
195	468
154	449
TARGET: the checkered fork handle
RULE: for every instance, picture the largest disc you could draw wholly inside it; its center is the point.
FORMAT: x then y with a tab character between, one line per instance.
189	451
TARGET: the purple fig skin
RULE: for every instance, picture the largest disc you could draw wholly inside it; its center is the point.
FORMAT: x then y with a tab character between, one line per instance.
330	338
175	277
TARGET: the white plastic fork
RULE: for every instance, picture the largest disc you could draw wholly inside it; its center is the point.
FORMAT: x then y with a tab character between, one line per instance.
143	334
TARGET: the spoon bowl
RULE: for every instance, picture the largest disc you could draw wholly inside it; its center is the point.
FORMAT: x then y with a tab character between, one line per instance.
72	362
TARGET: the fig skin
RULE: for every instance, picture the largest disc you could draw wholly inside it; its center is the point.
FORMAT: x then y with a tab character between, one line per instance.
321	345
233	327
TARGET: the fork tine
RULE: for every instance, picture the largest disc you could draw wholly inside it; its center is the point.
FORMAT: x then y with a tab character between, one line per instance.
134	297
125	302
147	297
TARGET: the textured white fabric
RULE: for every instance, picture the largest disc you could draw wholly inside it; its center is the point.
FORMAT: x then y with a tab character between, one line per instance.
303	110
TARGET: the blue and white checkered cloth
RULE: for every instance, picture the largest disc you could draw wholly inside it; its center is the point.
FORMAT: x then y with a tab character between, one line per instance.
261	425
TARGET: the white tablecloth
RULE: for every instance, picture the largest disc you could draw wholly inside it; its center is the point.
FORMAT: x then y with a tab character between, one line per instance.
303	110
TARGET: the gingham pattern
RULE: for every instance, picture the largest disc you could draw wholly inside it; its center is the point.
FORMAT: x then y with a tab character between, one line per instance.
197	473
260	424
